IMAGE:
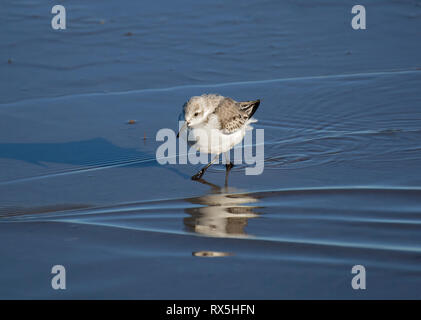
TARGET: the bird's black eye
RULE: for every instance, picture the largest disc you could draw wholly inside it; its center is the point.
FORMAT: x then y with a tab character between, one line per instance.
196	114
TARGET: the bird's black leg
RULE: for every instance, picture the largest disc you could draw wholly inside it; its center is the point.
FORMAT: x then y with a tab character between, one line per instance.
226	177
228	164
199	175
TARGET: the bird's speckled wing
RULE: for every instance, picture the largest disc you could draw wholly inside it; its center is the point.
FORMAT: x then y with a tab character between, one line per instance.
233	115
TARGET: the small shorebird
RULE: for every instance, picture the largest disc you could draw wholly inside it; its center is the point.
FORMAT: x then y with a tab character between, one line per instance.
217	124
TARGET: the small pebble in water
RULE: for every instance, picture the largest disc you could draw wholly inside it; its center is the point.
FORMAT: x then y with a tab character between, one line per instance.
211	254
131	121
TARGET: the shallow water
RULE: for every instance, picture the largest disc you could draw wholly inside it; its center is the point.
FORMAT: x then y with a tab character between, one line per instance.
80	187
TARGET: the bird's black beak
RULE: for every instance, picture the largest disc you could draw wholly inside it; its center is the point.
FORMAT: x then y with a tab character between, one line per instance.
185	125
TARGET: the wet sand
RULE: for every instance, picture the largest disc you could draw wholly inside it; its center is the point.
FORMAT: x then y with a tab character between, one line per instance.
80	186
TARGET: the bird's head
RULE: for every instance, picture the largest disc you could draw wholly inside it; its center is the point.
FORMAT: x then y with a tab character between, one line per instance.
194	111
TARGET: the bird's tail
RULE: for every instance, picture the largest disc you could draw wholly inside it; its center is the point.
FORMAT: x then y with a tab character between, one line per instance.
250	107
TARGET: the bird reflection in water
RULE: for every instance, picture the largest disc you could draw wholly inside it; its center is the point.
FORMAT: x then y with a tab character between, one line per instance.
223	212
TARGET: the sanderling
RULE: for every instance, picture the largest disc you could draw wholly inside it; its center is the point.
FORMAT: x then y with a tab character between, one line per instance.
217	124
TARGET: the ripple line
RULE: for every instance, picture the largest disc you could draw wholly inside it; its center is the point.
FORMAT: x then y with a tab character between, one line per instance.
224	84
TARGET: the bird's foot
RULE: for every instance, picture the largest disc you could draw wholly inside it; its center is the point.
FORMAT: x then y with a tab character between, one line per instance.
229	166
198	175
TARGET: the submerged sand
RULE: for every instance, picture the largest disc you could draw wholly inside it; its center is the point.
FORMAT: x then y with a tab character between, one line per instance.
80	185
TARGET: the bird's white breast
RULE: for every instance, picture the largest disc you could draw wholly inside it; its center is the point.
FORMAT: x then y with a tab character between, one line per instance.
209	139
